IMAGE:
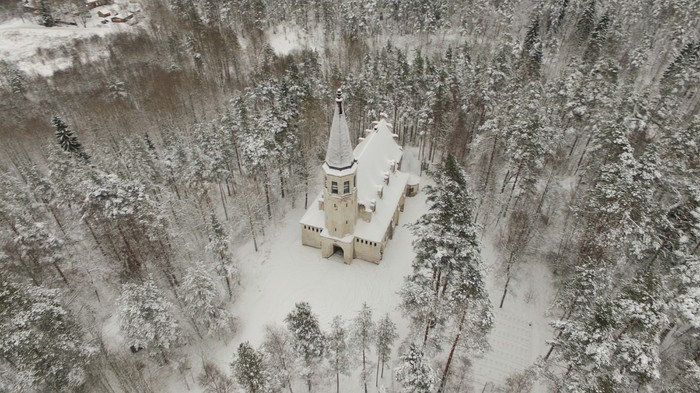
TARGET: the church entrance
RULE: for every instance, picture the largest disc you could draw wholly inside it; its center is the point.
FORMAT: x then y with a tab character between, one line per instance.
336	250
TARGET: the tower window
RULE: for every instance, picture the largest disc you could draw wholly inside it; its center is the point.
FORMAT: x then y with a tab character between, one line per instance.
346	187
334	187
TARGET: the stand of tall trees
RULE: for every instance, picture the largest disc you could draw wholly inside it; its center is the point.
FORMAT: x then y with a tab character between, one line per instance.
577	121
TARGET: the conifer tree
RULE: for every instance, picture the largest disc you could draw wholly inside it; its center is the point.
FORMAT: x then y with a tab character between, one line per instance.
414	372
308	339
146	320
46	16
586	21
250	369
219	247
363	330
386	335
532	48
42	344
66	139
337	350
446	244
279	351
202	301
36	244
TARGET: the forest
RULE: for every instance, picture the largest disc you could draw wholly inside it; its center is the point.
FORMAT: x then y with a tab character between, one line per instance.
568	130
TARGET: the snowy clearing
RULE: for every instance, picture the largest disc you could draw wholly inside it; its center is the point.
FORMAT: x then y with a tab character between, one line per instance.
22	41
285	272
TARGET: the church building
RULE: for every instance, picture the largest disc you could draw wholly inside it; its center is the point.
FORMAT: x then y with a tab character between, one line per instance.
363	193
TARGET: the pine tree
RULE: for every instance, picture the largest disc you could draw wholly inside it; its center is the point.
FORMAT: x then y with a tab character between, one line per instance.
146	320
36	244
337	351
414	372
277	347
14	77
612	340
586	22
202	301
219	247
66	139
42	344
362	332
532	48
250	369
446	243
46	17
386	335
308	338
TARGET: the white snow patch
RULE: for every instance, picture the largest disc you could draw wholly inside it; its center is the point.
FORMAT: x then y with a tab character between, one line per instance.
22	40
284	39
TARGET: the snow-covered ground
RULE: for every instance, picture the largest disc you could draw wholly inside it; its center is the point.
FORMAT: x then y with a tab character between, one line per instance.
284	272
22	41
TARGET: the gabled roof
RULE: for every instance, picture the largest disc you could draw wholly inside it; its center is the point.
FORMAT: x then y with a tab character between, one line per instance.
339	154
375	155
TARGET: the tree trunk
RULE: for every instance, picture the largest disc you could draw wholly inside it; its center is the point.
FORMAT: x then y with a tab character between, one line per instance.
364	368
228	285
250	222
443	382
337	378
505	289
223	201
427	329
383	361
137	267
376	379
544	193
281	182
99	245
583	154
58	269
488	169
267	199
53	213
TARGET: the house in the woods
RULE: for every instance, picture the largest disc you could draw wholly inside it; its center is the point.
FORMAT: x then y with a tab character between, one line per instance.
104	14
363	194
96	3
122	19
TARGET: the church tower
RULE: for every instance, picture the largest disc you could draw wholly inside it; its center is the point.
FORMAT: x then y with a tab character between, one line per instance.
340	168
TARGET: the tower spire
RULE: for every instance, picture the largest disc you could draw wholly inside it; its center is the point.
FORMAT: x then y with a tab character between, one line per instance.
339	155
339	101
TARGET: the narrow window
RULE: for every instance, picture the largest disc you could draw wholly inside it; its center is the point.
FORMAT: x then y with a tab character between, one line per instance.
334	187
346	187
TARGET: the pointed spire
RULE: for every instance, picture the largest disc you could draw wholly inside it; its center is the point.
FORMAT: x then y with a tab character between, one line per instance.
339	155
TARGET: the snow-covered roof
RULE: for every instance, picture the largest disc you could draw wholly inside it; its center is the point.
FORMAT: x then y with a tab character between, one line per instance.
314	216
339	154
377	155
